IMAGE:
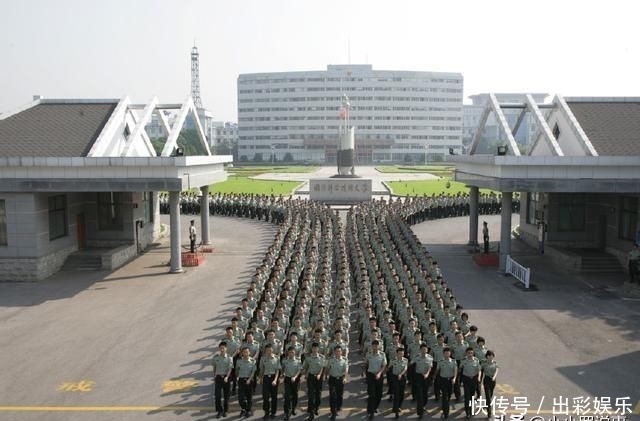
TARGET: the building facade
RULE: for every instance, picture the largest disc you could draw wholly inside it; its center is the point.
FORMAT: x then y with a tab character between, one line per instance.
82	174
399	116
579	181
224	133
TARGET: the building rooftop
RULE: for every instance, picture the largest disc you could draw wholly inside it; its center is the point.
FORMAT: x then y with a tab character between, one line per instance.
54	129
612	127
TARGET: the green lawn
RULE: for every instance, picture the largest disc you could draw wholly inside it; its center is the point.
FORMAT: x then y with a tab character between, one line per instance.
243	184
428	187
250	170
439	170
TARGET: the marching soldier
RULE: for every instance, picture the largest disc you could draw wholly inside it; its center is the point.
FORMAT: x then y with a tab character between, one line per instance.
375	366
470	373
337	371
222	368
446	373
291	369
313	368
245	373
269	371
398	367
422	363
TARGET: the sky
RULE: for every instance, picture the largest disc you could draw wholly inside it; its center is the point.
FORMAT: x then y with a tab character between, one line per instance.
141	48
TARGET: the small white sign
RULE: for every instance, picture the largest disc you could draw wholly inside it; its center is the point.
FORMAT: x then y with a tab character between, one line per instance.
340	190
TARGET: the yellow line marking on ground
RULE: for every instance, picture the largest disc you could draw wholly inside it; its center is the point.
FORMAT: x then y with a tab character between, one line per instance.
106	408
102	408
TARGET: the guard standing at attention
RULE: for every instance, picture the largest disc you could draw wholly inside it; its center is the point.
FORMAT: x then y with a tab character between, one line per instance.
192	236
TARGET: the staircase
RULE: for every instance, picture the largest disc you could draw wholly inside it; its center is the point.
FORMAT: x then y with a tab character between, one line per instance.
83	260
598	261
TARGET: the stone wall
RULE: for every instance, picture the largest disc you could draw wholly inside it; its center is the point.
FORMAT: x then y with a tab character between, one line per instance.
33	268
118	256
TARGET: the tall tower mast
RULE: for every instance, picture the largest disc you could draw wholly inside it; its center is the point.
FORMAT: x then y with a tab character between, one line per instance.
195	77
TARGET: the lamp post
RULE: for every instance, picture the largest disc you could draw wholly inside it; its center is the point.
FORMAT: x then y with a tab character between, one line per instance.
426	148
273	148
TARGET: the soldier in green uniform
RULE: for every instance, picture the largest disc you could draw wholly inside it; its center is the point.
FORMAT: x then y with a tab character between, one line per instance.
375	366
222	368
245	373
446	374
269	371
233	349
459	350
295	344
336	373
437	352
291	369
470	373
398	367
422	363
489	374
252	344
313	367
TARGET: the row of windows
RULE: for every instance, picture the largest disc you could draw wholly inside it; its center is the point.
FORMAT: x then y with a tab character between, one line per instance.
352	118
109	206
355	108
358	127
350	89
403	146
338	99
242	81
297	136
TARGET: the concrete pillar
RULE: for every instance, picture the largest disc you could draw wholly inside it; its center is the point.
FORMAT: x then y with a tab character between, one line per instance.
204	215
505	229
174	231
473	215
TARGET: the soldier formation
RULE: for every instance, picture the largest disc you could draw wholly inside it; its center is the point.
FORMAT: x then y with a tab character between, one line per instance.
271	208
327	273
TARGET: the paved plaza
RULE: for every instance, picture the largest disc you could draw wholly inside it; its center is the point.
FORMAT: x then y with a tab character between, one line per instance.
136	343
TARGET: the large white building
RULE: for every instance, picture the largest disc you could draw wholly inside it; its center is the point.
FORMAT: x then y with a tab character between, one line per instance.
399	116
224	132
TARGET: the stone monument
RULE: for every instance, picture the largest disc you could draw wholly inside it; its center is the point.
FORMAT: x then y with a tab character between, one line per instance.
345	187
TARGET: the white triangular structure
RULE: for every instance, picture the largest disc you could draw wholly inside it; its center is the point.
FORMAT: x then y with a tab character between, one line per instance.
547	142
502	124
543	127
124	134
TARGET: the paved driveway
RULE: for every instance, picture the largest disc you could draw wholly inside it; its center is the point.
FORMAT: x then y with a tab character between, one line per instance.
135	344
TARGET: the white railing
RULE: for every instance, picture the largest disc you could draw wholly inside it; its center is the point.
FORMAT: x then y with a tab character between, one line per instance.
518	271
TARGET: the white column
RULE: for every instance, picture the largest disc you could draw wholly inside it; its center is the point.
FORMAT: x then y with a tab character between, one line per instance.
505	229
174	231
473	215
204	215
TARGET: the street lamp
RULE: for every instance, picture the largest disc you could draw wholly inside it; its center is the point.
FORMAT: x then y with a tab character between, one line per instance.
273	147
426	148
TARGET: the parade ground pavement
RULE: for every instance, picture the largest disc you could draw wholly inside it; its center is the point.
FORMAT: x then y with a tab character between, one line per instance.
136	343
